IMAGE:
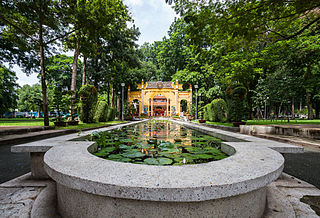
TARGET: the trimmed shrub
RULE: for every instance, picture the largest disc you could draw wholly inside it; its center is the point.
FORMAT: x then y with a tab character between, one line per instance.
219	110
237	102
100	114
88	102
216	111
113	113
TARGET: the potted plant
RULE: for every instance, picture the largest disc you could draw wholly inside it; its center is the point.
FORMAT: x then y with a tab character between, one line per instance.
60	122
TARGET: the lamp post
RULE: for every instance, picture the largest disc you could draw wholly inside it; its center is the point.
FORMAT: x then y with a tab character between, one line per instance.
201	112
196	87
122	114
119	109
265	108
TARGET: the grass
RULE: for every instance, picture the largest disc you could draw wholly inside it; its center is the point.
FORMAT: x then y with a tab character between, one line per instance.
283	122
22	122
91	125
39	122
216	123
269	122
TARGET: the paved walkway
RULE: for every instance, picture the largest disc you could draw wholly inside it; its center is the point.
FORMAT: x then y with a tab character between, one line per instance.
31	136
24	197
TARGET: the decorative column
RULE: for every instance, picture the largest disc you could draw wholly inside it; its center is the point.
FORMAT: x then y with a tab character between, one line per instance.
167	112
151	106
177	103
142	105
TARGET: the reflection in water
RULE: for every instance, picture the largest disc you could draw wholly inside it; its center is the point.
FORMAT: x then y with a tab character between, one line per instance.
158	143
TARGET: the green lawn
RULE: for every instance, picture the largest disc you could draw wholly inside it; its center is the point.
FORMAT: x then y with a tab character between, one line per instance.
268	122
22	122
90	125
39	122
282	122
216	123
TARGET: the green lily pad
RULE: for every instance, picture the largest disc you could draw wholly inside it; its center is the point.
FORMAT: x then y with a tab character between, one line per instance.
204	156
123	146
158	161
114	156
151	161
132	154
126	140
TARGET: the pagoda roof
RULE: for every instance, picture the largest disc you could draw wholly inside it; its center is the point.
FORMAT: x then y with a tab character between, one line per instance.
159	84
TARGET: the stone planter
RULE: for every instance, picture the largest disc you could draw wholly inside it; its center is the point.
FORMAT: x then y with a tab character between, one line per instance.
202	121
60	123
73	122
237	124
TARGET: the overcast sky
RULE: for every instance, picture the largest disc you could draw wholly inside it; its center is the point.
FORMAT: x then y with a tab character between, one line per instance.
153	17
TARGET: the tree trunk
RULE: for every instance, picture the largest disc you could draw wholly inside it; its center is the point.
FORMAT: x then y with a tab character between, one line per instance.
308	98
84	70
309	104
108	93
43	76
112	96
292	108
74	78
317	109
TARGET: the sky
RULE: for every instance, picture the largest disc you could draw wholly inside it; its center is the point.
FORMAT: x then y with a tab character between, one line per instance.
153	17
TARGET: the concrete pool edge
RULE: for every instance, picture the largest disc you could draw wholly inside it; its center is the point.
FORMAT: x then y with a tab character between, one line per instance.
235	185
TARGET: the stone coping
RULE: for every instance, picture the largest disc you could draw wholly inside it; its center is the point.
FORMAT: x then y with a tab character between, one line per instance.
249	168
249	140
46	144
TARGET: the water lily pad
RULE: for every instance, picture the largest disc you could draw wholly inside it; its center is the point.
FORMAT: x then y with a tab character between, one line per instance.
123	146
151	161
126	140
204	156
132	154
158	161
114	156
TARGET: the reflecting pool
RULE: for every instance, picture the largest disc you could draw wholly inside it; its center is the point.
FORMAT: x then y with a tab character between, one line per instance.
157	142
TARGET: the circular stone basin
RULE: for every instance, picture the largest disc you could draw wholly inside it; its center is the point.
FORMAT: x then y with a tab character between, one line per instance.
234	185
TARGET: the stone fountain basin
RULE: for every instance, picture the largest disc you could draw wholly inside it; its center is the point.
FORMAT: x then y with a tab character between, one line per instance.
244	171
89	186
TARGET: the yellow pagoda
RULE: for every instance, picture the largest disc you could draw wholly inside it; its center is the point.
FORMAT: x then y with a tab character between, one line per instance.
160	98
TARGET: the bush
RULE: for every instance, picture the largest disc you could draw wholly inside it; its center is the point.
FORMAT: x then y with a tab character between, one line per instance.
216	111
88	102
237	102
100	114
220	110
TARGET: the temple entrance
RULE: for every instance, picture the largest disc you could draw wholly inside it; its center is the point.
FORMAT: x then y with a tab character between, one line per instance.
160	98
159	106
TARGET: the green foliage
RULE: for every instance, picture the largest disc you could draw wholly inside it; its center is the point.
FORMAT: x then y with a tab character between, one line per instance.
8	85
129	144
29	98
216	111
236	102
88	101
100	113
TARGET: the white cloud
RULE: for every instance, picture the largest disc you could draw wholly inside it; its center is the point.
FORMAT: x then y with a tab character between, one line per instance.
153	17
133	2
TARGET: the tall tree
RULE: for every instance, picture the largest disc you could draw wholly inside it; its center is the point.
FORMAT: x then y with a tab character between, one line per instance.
36	25
95	18
8	86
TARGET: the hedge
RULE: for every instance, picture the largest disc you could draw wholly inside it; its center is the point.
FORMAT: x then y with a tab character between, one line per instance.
216	111
88	102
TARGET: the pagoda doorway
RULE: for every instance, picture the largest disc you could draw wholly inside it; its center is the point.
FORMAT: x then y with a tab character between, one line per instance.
159	106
